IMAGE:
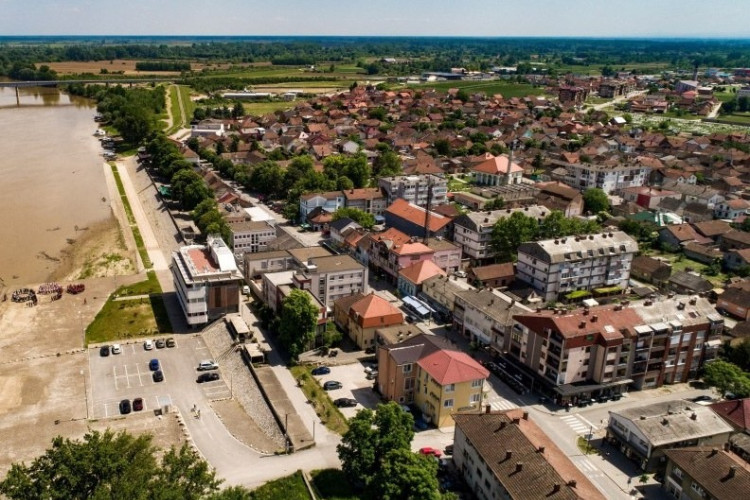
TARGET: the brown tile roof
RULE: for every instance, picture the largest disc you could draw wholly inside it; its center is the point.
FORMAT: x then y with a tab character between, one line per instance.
495	434
737	412
412	248
494	271
499	165
712	228
373	306
452	367
363	194
710	468
647	264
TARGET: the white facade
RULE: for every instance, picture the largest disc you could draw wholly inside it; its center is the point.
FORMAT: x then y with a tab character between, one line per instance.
330	202
331	278
251	236
413	188
608	179
554	267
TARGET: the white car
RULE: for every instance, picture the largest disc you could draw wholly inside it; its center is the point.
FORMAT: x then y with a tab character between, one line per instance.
460	274
116	349
148	345
246	290
207	364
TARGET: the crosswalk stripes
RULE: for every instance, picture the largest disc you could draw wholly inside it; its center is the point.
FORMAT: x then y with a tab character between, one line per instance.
502	405
578	425
589	469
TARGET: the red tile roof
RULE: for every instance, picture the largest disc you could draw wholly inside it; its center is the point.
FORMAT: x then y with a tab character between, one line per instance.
452	367
417	273
737	413
373	306
416	215
499	165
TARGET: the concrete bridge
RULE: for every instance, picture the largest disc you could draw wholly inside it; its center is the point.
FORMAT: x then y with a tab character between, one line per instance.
54	83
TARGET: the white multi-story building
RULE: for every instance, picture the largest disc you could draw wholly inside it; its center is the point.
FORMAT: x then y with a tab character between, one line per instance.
473	231
486	317
207	281
608	178
563	265
330	278
330	202
251	236
413	188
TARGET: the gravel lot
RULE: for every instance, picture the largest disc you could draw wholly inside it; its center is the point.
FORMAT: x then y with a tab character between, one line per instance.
243	386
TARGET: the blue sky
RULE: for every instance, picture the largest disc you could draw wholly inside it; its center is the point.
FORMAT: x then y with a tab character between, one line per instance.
598	18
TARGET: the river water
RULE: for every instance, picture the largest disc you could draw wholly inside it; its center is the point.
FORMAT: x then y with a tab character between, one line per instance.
53	187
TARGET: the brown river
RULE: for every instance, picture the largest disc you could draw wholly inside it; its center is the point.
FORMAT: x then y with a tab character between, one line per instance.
53	187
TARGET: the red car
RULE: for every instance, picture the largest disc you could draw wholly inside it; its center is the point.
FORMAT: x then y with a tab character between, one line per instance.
427	450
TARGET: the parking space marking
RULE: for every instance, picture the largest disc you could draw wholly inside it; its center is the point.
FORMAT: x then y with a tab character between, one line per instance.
127	376
114	374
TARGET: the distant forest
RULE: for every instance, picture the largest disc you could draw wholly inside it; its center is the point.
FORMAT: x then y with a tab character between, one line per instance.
412	54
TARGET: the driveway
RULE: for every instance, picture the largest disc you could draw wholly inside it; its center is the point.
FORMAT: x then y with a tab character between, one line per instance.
355	385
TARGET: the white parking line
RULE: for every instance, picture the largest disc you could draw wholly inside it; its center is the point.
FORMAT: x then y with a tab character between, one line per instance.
114	372
127	376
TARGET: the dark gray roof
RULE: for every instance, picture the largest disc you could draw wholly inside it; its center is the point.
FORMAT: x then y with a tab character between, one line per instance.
691	282
341	223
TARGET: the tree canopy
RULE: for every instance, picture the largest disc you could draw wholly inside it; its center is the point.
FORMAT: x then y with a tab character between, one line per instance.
595	200
109	465
376	450
727	377
364	219
297	322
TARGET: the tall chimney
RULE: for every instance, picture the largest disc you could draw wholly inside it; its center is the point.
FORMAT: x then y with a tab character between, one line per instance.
508	454
732	470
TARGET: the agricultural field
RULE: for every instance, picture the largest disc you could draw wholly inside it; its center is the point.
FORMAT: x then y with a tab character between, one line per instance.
489	87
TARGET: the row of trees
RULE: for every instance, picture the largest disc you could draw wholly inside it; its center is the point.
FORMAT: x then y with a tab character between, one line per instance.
508	233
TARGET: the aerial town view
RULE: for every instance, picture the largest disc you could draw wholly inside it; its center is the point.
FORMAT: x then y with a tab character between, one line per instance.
416	250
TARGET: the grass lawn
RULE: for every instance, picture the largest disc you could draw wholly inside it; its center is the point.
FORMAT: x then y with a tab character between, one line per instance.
456	184
148	287
739	118
681	263
506	88
328	413
585	448
332	484
285	488
264	108
140	245
125	319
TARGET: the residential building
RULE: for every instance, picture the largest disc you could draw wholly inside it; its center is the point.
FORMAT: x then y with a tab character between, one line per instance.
560	266
644	432
330	278
493	276
273	288
737	414
412	220
505	455
608	178
497	171
207	128
734	240
558	196
688	282
701	472
429	372
341	309
486	317
650	270
706	254
735	301
271	261
370	200
599	351
572	96
251	236
647	196
737	259
396	334
410	278
329	202
731	209
207	281
414	188
473	231
447	256
439	292
367	315
338	230
677	235
712	229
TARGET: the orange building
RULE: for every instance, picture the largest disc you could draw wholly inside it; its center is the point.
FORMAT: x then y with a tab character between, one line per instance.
368	314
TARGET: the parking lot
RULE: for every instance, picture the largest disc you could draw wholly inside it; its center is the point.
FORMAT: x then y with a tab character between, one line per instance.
355	385
128	376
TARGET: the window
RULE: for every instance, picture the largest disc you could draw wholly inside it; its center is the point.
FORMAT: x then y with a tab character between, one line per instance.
475	398
407	368
476	383
450	387
696	488
448	403
677	472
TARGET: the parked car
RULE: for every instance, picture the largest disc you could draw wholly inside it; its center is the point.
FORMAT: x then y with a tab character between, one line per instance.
460	274
138	404
698	399
449	449
420	424
246	290
371	350
372	375
321	370
345	402
207	364
148	345
153	365
104	351
125	407
207	377
428	450
171	342
160	344
116	349
158	376
331	385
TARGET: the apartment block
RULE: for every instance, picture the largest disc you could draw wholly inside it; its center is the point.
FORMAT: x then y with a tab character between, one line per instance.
600	351
251	236
608	178
207	281
330	278
556	267
414	189
473	231
486	317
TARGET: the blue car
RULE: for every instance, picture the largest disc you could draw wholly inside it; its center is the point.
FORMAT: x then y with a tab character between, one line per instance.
321	370
154	365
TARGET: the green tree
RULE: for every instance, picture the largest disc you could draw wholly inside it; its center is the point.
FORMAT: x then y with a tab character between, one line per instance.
509	232
495	204
297	322
405	475
740	354
371	437
109	465
442	147
727	377
595	200
388	164
189	188
267	178
364	219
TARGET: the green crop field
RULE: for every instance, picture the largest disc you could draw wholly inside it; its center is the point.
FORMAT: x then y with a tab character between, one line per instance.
491	87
